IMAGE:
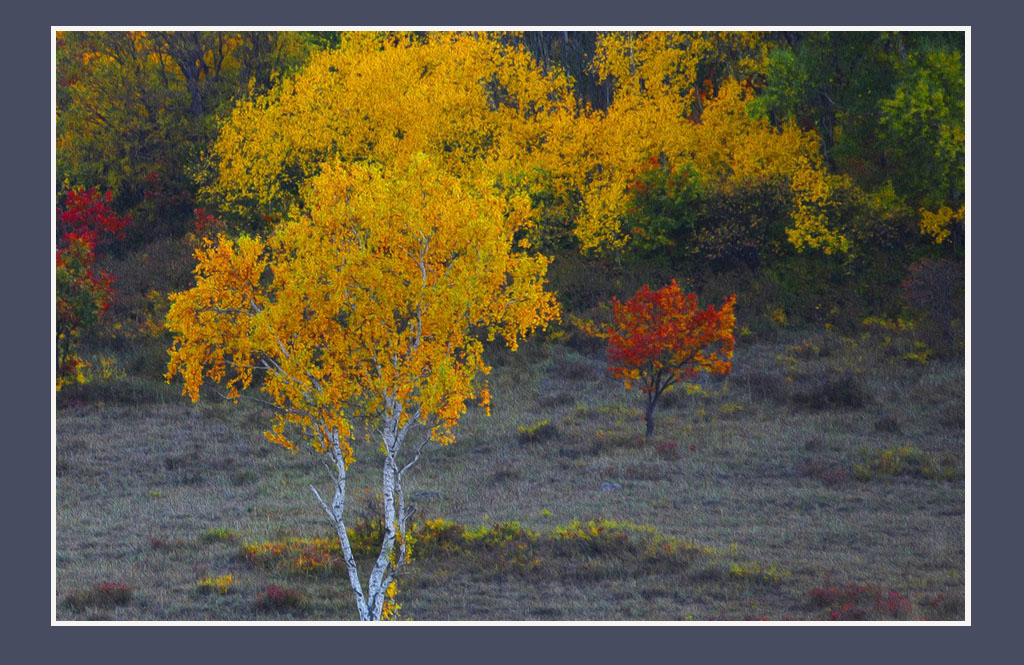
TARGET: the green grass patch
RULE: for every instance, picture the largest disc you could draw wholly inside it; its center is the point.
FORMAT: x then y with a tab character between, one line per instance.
537	432
217	535
908	461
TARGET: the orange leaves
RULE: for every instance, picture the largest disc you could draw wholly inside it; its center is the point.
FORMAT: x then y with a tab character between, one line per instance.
365	304
661	337
664	330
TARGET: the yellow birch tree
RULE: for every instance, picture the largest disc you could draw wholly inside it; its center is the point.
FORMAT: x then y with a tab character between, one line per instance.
367	314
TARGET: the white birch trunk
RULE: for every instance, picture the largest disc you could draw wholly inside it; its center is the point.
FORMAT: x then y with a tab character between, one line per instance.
370	605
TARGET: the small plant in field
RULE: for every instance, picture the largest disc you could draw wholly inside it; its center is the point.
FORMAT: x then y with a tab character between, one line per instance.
219	585
165	544
894	604
668	450
758	574
537	432
861	602
730	408
844	391
829	473
104	595
279	599
920	355
317	557
297	555
907	461
217	535
597	537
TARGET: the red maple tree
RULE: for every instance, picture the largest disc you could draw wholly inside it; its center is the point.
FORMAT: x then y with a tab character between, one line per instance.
83	292
660	338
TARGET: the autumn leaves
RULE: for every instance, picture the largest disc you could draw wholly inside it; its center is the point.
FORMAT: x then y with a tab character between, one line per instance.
485	110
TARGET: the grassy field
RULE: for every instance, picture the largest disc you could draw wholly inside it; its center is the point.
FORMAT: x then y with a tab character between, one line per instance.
823	479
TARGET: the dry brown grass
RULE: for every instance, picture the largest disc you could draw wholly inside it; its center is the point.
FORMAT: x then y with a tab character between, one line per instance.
761	472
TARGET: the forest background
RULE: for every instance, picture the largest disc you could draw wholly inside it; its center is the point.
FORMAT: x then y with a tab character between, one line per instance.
824	181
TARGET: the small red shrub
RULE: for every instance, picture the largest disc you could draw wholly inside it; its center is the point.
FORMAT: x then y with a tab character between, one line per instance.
279	599
104	595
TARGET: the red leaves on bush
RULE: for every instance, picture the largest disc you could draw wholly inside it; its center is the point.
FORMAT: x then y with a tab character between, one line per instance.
83	292
845	603
661	337
87	214
207	225
664	332
104	595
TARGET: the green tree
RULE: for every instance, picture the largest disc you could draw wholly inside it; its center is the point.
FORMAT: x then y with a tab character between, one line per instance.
888	106
135	111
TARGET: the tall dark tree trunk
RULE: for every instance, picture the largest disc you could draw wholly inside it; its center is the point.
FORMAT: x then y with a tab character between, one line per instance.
649	414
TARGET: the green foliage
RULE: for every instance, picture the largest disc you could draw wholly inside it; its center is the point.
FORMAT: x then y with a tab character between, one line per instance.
662	210
218	535
888	106
83	294
537	432
922	124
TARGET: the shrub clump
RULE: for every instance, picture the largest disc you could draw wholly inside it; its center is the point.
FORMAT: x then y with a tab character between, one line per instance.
907	461
221	585
217	535
279	599
537	432
841	392
104	595
861	603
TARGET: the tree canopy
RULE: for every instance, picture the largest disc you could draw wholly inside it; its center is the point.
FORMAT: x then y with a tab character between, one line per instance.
367	314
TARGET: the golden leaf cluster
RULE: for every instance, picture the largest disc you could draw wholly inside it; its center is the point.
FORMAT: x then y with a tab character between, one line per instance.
369	301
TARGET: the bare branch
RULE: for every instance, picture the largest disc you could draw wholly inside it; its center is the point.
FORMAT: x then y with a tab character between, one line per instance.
323	504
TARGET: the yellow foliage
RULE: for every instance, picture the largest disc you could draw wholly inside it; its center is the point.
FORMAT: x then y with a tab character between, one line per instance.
477	106
366	303
220	584
484	109
662	112
939	224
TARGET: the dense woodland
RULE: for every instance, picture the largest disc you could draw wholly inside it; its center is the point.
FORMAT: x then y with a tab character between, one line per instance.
818	175
362	225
